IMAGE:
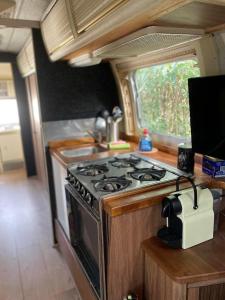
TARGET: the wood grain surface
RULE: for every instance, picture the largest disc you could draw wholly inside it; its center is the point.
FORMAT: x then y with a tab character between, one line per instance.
129	202
124	257
30	267
159	286
196	15
203	262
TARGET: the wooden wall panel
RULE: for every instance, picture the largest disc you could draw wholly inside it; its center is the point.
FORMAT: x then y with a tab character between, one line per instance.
158	286
212	292
125	261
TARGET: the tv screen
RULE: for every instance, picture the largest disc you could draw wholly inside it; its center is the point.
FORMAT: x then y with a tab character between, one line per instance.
207	115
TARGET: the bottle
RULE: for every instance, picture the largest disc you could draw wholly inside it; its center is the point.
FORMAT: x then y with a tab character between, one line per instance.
145	143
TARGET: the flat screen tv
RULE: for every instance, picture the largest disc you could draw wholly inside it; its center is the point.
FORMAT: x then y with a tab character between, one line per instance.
207	115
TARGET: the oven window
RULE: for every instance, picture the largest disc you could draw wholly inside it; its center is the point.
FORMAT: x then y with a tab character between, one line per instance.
88	234
86	242
161	97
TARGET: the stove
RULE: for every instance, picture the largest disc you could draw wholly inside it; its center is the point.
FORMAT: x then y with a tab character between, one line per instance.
90	182
132	172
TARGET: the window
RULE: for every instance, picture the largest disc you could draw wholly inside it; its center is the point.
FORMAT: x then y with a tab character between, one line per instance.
3	88
161	94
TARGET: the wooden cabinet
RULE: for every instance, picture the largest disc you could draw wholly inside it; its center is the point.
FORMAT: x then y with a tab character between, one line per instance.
72	28
57	29
124	260
197	273
87	12
66	19
26	60
8	151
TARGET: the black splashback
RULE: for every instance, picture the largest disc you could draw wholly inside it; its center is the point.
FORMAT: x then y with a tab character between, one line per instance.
72	93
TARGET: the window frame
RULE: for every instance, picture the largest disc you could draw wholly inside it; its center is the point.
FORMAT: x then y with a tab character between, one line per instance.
158	138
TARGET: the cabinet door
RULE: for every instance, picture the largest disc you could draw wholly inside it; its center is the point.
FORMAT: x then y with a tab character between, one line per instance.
87	12
59	174
7	146
56	27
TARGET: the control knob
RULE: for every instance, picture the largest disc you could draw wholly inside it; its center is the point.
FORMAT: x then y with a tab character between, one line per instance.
70	179
77	185
82	191
89	199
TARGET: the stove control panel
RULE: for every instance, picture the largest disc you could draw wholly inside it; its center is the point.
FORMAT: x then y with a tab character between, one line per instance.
83	192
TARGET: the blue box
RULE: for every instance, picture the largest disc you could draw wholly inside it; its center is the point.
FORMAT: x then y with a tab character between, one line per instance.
213	166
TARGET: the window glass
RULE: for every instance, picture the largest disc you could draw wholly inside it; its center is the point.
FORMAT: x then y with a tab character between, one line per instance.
161	93
3	88
8	113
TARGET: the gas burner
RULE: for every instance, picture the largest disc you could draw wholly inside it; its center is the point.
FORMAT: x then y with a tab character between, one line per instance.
147	174
125	162
92	170
111	184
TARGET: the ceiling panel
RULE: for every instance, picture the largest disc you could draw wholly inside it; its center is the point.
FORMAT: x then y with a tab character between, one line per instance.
12	40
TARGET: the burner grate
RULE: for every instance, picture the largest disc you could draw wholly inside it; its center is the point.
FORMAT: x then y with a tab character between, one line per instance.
147	174
111	184
92	170
125	162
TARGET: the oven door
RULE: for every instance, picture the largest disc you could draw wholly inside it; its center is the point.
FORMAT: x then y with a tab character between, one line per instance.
85	234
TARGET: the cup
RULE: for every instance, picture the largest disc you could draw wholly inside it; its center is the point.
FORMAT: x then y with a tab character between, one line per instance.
185	161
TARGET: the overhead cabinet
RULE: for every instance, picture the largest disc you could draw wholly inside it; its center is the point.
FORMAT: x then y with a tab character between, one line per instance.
57	27
25	59
87	12
65	20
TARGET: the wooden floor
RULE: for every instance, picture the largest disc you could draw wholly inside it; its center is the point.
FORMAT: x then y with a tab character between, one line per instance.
30	268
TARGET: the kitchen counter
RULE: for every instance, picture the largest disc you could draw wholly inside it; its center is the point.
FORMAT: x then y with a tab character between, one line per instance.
58	146
196	273
115	205
205	261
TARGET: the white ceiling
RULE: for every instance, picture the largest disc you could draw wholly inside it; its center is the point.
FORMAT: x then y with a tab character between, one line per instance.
13	39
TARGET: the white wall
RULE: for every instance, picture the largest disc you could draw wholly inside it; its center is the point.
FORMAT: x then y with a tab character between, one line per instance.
11	146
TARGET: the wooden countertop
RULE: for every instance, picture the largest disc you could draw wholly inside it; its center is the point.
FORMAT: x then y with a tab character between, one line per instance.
115	205
203	262
58	146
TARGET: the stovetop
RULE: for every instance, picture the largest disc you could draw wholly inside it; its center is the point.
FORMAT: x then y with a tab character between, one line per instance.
122	173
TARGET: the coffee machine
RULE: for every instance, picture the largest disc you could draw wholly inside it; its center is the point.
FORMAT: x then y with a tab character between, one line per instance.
189	216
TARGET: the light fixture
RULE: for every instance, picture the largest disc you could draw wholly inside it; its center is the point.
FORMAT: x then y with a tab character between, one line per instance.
85	60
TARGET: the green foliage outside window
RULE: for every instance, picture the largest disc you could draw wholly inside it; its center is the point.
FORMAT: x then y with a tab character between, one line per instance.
163	97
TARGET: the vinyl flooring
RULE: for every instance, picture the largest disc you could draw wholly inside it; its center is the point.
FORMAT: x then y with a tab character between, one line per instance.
30	268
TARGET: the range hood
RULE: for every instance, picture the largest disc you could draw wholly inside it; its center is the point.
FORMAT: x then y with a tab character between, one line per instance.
149	39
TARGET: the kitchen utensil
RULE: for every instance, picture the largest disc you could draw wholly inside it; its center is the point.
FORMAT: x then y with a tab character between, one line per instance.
185	158
108	130
116	113
105	114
